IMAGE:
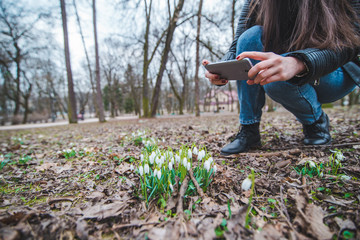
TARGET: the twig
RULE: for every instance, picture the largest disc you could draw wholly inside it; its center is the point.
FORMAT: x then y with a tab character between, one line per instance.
283	204
120	226
198	188
51	201
180	207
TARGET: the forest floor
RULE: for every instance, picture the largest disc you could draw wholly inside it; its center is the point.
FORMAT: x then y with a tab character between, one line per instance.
92	191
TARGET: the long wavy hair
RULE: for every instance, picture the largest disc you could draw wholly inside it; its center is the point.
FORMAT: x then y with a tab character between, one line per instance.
297	24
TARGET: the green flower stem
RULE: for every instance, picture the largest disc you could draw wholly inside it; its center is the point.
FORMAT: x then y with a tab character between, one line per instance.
247	218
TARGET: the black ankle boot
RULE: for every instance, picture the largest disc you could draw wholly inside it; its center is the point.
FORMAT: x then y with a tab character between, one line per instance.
318	132
247	137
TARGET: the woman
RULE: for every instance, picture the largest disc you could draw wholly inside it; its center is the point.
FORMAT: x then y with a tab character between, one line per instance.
304	52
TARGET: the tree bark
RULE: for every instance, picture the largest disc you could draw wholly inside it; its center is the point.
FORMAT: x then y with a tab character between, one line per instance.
165	54
72	100
197	59
99	99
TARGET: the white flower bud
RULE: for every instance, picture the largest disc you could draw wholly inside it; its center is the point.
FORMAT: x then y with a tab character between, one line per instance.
170	166
141	170
131	167
246	184
207	165
201	155
185	162
195	151
158	174
312	164
210	159
215	168
188	166
146	169
189	154
142	157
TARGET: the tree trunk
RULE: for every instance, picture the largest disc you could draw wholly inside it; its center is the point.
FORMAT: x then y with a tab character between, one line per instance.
99	99
169	36
197	59
87	60
72	100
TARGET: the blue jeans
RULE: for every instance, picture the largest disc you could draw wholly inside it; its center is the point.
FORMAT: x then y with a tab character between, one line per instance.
302	101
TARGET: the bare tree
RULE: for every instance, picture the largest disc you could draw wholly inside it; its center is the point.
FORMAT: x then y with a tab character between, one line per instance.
99	99
71	94
165	53
88	64
197	60
147	58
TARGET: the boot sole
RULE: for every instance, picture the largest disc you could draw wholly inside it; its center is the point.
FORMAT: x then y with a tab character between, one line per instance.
256	145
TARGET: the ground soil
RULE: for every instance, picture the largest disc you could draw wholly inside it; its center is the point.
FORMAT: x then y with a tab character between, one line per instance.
96	196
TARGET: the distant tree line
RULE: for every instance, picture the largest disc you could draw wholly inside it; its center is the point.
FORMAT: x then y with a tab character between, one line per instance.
148	64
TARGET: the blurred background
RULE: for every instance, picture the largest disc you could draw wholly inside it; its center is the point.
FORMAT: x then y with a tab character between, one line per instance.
69	60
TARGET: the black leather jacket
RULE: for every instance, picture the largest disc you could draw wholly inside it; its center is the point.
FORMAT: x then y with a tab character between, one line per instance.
319	61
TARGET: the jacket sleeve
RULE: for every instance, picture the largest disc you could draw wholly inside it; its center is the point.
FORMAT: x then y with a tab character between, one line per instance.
321	62
243	24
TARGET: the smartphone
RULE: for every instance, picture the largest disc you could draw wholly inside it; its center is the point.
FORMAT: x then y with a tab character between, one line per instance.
231	70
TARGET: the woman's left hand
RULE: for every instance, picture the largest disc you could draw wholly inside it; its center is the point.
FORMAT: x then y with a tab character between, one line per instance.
272	67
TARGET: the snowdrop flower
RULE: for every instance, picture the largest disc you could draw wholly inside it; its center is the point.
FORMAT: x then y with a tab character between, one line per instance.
246	184
170	166
210	160
146	168
152	157
185	162
163	140
195	151
312	164
131	167
345	177
158	174
340	156
215	168
189	154
207	165
157	160
162	160
58	152
188	166
68	150
201	155
171	187
171	154
172	160
177	158
141	170
142	157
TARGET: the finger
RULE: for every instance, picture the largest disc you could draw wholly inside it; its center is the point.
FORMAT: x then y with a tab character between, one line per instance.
266	73
255	55
274	78
259	67
219	82
211	76
250	82
205	62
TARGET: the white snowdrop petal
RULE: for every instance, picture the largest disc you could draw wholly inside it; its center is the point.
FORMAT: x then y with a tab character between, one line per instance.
141	170
246	184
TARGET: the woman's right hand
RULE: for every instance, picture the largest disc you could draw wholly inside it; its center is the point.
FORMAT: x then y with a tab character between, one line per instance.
214	78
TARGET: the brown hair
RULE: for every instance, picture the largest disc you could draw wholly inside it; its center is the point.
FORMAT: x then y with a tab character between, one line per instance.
320	24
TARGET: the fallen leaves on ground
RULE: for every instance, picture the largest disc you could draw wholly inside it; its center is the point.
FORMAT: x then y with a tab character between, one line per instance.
95	195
